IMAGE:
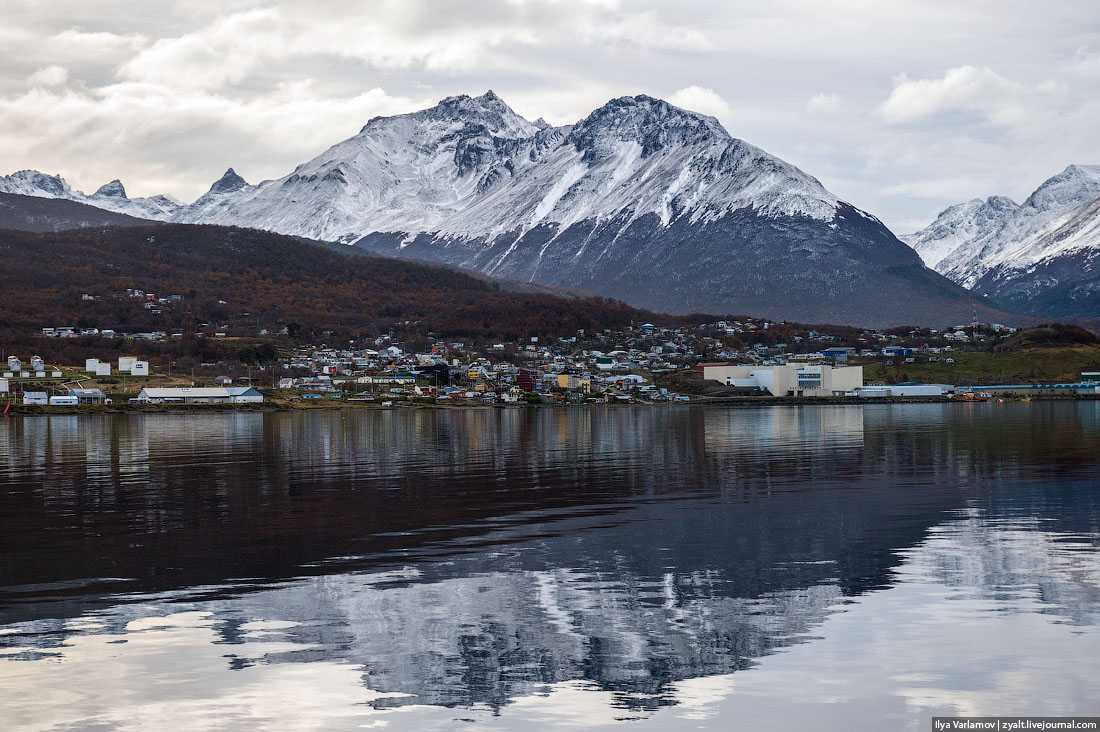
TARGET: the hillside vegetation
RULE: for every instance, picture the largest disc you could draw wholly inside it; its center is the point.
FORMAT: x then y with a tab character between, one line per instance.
226	272
1059	364
31	213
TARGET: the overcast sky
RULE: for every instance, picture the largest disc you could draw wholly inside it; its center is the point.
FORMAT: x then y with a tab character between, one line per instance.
898	107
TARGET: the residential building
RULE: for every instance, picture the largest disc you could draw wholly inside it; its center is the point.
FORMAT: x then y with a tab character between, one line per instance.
88	396
572	382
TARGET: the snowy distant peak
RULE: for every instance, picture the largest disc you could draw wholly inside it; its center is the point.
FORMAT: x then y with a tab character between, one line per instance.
996	247
114	189
34	183
652	123
487	112
228	183
960	226
110	196
1075	185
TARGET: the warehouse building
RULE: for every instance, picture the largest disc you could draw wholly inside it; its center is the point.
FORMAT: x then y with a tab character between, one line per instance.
791	379
200	395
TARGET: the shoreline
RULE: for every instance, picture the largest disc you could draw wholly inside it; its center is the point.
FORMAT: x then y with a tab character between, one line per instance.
742	402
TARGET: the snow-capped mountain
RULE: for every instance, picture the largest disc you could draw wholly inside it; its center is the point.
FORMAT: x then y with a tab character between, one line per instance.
641	200
1039	256
473	167
971	221
110	196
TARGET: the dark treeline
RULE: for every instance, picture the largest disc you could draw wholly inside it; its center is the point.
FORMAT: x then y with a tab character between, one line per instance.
255	279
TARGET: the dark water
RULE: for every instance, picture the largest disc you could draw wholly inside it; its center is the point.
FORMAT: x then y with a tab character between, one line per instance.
650	568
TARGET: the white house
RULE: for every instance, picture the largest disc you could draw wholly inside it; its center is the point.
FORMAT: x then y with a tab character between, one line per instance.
37	398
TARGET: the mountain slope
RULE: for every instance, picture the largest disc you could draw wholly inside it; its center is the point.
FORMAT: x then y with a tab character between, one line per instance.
276	278
34	213
1040	257
641	200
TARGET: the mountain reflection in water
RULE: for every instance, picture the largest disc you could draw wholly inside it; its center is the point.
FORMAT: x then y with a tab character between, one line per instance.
675	566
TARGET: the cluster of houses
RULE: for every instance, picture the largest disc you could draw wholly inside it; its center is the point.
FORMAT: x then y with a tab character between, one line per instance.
126	365
448	371
71	397
747	355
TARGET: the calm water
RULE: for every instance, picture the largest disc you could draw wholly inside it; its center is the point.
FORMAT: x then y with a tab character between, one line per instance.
847	568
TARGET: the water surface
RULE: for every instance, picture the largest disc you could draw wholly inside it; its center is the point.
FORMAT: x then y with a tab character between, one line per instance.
841	567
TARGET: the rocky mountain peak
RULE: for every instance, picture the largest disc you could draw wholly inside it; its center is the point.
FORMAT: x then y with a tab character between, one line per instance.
113	189
229	182
652	123
1075	185
34	183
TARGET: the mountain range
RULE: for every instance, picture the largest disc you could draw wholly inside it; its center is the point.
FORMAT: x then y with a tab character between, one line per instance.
640	200
1041	256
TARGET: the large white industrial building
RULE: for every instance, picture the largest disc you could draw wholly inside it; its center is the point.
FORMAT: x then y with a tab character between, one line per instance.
200	395
791	379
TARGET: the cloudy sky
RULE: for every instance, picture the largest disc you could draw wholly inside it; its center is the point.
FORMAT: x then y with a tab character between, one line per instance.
899	107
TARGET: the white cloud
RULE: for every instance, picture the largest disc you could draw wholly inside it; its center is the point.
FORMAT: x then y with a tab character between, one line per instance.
158	139
701	99
101	44
649	31
1086	63
822	103
49	76
966	89
223	53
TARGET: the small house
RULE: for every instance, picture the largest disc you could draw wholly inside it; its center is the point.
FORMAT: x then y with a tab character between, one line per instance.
89	396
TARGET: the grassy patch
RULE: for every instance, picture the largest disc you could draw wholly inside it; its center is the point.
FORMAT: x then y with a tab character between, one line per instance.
1031	365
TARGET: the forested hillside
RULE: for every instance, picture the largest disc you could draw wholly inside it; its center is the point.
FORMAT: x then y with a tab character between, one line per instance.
261	280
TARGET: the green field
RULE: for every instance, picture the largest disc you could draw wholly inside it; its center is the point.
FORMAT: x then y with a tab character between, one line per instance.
1032	365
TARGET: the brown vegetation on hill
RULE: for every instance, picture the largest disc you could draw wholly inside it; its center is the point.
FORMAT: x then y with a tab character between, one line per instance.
229	274
1048	335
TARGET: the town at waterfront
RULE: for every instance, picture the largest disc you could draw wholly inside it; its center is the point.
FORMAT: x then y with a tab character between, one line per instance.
744	360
